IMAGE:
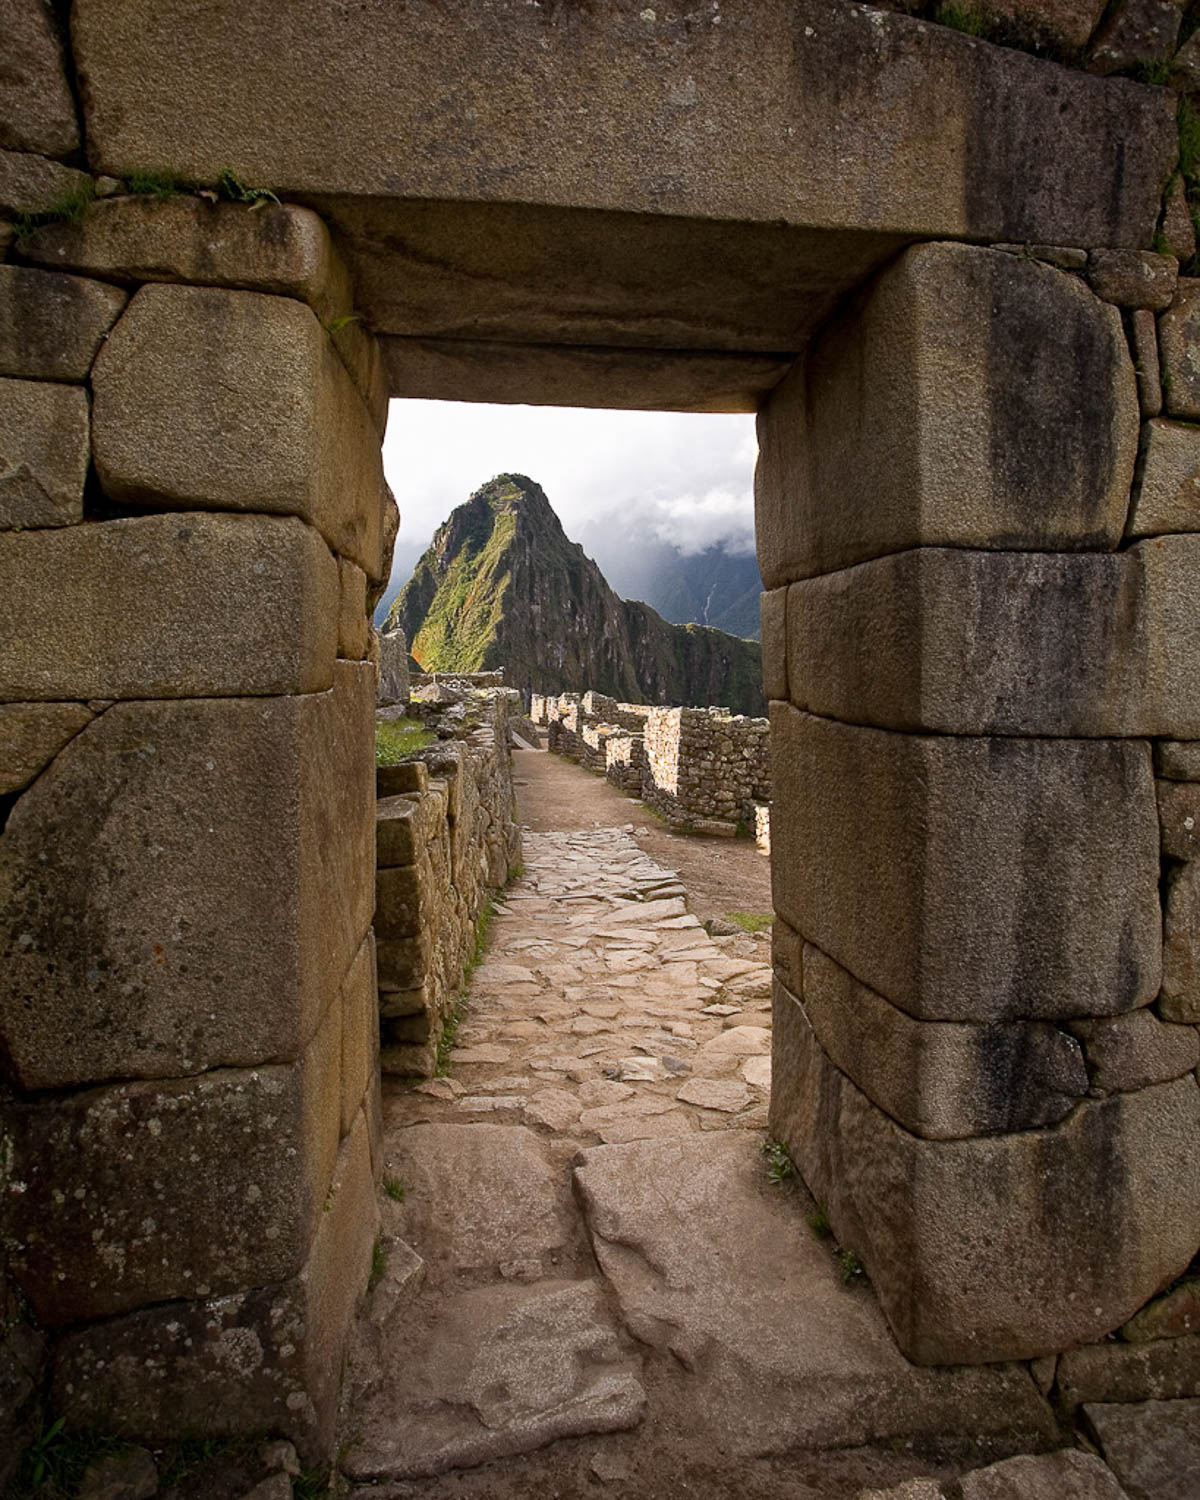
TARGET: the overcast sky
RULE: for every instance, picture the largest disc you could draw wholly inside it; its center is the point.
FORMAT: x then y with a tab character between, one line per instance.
681	478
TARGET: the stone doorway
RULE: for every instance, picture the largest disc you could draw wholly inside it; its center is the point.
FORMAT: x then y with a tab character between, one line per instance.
825	182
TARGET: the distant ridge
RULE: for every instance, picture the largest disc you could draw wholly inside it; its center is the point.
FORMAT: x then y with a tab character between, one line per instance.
502	585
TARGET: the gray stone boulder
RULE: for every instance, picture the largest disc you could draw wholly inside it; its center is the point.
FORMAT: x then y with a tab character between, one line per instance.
393	668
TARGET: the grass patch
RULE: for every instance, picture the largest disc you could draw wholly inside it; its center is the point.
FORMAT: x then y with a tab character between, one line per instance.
751	921
160	185
395	1188
69	209
964	18
780	1166
450	1030
850	1268
397	739
379	1258
818	1222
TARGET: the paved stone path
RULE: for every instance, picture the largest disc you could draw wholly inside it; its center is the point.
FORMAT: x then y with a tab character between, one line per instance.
591	1285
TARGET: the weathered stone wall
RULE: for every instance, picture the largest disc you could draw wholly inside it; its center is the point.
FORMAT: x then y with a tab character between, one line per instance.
459	679
447	839
702	769
193	520
706	765
981	637
623	755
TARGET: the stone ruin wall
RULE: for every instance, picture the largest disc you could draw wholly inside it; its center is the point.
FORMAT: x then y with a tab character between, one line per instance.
703	770
194	527
706	766
985	1037
447	840
957	648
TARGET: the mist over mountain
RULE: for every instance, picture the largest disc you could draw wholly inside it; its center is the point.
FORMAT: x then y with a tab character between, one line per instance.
716	585
502	585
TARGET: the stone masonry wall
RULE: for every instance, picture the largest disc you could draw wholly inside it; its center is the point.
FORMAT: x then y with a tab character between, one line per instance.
982	645
706	765
194	527
702	769
447	839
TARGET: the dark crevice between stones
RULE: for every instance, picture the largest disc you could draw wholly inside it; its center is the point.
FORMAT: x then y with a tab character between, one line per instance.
7	802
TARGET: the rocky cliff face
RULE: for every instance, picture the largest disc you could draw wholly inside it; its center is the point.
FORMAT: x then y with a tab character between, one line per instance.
501	585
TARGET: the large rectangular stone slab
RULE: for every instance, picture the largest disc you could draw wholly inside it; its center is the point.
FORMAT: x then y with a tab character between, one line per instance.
51	325
1004	1247
967	398
961	641
278	248
813	113
714	1270
168	606
186	886
142	1192
971	879
226	400
45	448
268	1359
942	1080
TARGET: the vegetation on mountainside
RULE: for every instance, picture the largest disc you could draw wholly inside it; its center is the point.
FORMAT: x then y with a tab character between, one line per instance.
464	617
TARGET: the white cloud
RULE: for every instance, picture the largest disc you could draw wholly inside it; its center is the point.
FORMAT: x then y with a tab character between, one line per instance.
664	475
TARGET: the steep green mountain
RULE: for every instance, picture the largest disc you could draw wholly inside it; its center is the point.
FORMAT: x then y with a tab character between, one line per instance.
502	586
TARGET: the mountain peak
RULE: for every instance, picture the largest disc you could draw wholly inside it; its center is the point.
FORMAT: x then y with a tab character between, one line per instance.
502	585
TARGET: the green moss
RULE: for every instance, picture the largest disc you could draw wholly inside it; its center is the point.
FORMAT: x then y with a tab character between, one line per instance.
231	188
161	184
964	18
69	209
752	921
396	739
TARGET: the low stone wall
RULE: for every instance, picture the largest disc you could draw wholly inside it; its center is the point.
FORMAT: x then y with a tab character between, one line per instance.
706	765
623	762
446	839
458	679
704	770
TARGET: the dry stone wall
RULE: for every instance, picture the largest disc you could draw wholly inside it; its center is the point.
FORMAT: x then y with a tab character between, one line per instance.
993	609
193	527
447	839
703	770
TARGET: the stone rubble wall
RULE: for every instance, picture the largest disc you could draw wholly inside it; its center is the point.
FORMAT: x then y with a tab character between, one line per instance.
459	679
623	754
703	770
997	609
706	764
194	529
447	840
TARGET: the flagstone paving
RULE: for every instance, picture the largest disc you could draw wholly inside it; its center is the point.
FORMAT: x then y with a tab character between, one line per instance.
588	1281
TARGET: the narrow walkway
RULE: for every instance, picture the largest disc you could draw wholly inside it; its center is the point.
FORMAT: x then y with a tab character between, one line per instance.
592	1284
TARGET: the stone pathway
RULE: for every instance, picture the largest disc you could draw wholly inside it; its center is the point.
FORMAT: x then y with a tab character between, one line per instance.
591	1284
